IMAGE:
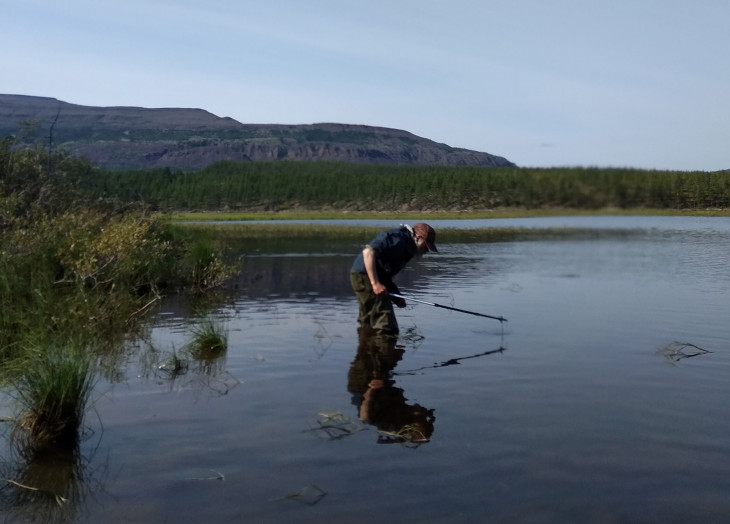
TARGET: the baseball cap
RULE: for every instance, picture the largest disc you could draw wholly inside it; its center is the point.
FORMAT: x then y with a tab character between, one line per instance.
424	230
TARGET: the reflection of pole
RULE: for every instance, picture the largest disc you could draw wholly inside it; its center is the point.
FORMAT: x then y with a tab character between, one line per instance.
413	299
451	361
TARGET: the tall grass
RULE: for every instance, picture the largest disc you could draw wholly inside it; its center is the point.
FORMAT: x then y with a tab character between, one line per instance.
52	385
201	260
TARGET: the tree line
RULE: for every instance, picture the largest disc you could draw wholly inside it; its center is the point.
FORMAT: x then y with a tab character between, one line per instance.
317	185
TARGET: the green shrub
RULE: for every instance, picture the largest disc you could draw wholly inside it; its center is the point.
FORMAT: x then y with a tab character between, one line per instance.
84	272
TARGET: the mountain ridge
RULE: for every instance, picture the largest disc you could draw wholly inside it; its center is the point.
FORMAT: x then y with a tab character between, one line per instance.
128	137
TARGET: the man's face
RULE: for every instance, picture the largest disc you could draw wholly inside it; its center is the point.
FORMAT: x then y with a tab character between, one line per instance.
421	245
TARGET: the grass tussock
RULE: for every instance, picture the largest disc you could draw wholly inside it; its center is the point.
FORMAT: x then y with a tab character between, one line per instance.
52	386
209	339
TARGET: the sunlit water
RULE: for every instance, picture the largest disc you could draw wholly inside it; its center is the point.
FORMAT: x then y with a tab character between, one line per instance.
593	403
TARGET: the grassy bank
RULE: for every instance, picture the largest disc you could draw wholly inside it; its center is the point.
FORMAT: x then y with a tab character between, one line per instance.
204	216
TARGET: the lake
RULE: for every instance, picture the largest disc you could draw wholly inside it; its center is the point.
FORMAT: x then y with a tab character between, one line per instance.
602	399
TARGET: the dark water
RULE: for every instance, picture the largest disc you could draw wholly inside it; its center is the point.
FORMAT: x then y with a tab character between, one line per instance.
594	403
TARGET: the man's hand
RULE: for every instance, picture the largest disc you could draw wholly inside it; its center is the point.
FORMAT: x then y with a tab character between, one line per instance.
379	288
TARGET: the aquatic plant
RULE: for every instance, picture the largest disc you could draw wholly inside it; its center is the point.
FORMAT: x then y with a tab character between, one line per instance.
309	495
53	385
209	339
200	263
172	366
335	425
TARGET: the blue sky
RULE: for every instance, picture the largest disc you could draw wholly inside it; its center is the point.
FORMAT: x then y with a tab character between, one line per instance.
624	83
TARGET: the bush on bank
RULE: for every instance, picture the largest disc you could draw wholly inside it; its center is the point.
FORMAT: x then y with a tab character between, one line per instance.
76	274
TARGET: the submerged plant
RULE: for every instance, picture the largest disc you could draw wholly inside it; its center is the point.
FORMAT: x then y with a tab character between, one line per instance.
336	425
53	386
173	365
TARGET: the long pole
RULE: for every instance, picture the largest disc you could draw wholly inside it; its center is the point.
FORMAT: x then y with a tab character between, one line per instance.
414	299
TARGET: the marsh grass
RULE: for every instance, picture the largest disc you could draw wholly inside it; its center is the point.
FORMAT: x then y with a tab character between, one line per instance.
207	268
53	386
209	339
201	261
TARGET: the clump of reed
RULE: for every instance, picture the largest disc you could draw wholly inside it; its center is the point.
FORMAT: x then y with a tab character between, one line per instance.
53	384
209	339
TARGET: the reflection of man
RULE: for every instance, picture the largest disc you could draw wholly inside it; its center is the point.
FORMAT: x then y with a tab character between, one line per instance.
379	402
372	272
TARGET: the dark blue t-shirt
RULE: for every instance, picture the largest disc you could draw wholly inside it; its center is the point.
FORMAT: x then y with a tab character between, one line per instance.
393	249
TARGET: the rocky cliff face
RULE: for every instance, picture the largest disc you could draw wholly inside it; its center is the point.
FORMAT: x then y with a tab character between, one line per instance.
135	137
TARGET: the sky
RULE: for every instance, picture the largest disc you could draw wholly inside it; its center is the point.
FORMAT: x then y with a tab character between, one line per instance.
543	83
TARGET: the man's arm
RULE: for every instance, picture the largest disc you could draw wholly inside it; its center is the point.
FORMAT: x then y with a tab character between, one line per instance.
368	257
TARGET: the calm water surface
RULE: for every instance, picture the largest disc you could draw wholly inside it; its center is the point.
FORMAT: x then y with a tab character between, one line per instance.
591	404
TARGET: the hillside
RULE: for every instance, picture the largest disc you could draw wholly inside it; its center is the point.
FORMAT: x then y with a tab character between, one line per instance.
190	139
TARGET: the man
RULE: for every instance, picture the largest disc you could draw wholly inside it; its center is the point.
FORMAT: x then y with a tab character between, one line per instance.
372	273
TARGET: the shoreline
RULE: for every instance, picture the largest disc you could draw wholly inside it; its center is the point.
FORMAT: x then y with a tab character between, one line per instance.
203	216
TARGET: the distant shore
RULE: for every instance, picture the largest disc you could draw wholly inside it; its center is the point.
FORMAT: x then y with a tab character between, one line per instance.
434	215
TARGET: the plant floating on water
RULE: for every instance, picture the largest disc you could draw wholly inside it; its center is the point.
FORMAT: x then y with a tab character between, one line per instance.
412	336
336	425
676	351
323	339
174	366
309	495
218	476
409	433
